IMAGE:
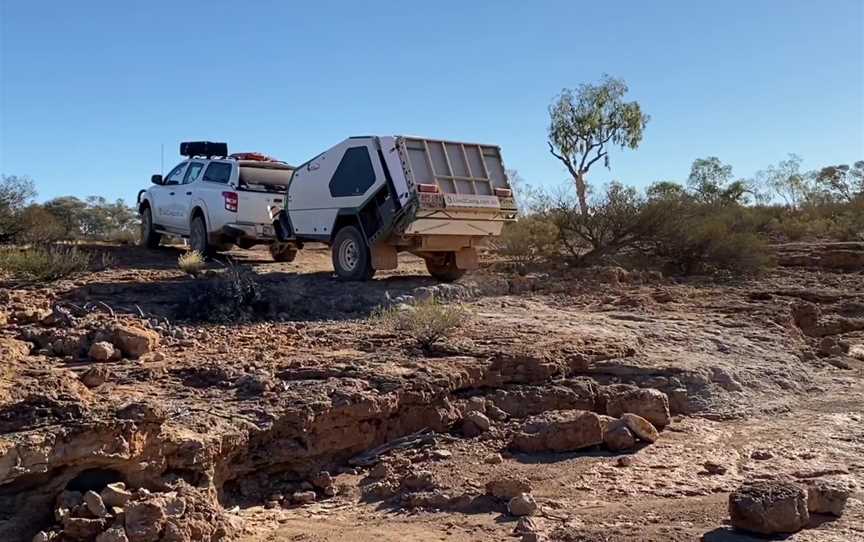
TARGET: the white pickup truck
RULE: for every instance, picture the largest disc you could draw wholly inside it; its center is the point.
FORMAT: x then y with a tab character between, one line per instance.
217	201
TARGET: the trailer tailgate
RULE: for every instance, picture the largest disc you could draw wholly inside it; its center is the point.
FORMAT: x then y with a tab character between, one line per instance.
467	174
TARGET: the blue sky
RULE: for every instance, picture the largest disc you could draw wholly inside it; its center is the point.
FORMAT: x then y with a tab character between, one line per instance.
90	90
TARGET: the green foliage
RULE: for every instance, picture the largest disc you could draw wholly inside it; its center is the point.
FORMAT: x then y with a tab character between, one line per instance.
618	218
586	121
698	237
233	296
843	181
191	263
38	226
15	193
788	182
531	238
425	322
711	181
93	218
48	263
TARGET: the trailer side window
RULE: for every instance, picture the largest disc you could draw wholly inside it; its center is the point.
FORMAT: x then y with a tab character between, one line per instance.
354	175
218	172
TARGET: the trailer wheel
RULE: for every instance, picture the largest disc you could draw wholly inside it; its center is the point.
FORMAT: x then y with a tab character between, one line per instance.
198	237
150	238
443	267
351	257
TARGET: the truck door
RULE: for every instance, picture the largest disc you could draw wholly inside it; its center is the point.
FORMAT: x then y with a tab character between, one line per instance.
165	207
183	194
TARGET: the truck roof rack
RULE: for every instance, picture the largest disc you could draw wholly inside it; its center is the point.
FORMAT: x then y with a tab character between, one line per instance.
203	148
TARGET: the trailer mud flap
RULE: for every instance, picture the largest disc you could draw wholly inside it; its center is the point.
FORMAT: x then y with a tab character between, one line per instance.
467	259
384	256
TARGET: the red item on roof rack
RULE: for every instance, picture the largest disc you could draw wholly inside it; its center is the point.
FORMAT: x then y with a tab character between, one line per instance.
254	156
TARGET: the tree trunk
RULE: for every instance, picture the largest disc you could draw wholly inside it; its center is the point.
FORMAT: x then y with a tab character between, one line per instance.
581	192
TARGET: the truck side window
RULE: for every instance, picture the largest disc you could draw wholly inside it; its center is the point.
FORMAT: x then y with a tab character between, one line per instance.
218	172
193	172
354	174
176	174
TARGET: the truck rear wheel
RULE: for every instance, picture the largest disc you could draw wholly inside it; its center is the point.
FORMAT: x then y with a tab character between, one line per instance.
198	237
150	238
351	257
443	267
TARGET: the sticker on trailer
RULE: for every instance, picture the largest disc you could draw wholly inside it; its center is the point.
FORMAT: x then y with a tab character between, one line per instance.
468	200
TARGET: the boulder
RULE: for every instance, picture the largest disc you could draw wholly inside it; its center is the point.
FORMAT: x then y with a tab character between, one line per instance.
559	431
507	488
418	480
303	497
827	497
95	376
114	534
144	521
619	439
83	528
522	505
640	427
526	524
493	458
769	508
134	342
475	423
116	494
101	351
95	505
324	482
651	404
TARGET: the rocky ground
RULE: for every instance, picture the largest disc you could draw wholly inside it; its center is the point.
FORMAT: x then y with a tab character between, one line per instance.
121	420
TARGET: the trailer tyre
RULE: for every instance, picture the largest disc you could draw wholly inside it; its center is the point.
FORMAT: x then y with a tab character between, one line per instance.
150	238
443	267
351	257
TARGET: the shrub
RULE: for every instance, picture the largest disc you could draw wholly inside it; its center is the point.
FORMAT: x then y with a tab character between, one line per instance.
47	263
426	322
697	237
235	295
191	262
531	238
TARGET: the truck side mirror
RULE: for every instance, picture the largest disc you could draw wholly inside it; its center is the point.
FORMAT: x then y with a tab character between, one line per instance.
156	179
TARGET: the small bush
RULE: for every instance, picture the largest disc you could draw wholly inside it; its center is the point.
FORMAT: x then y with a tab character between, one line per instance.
698	238
191	262
531	238
235	295
47	263
426	322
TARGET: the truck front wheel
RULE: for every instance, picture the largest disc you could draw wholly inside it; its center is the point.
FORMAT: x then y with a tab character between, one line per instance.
149	237
351	257
443	267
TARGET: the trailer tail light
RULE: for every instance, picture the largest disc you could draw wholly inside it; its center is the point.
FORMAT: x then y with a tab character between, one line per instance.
428	188
503	192
231	201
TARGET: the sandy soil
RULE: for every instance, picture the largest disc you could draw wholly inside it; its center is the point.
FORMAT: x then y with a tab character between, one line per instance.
250	412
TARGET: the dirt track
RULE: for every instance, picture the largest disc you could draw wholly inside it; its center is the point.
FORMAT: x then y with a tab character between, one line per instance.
252	412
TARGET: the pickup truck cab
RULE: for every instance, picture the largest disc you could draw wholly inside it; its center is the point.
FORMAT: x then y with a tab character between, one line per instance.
217	201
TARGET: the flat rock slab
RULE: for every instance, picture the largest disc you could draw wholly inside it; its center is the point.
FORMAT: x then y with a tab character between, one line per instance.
559	431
